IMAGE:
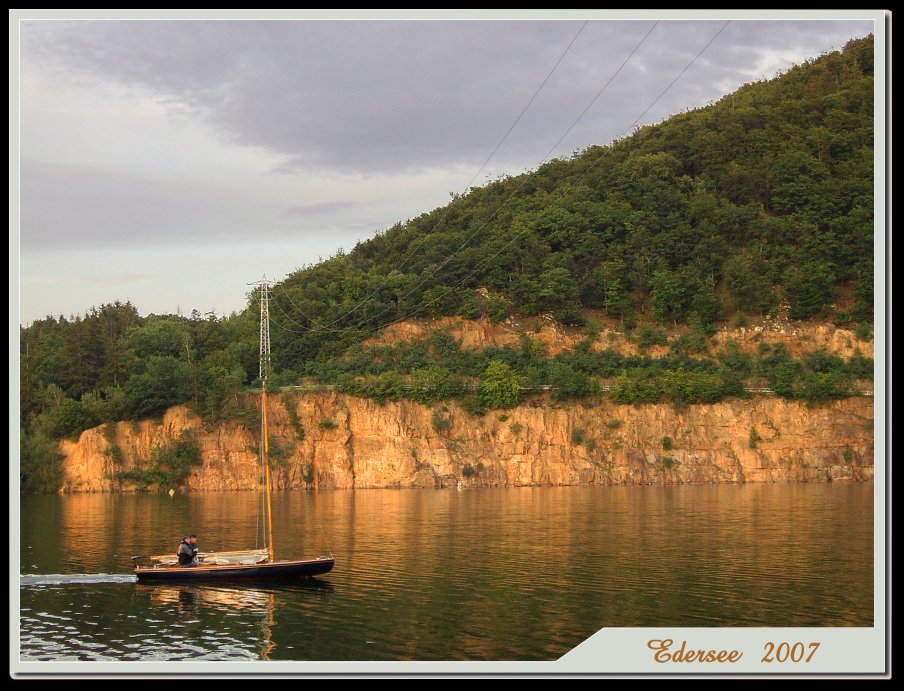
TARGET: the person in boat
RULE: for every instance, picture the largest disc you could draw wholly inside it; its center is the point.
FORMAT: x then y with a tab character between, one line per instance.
188	551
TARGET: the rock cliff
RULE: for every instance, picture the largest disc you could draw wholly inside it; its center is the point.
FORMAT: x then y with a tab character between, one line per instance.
338	441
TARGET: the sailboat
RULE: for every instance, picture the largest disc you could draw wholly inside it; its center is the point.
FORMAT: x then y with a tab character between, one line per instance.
249	563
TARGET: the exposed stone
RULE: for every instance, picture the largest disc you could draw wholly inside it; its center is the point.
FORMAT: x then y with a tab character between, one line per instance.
395	445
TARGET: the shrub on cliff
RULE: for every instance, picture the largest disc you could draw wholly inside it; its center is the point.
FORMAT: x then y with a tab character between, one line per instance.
385	386
435	384
635	390
169	464
569	383
500	386
691	387
823	386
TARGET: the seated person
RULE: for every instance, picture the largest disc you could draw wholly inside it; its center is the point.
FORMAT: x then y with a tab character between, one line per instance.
188	551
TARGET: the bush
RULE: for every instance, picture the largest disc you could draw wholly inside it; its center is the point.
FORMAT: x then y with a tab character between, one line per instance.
169	464
442	300
470	306
498	308
500	386
440	422
69	419
292	413
577	436
627	390
821	361
435	384
648	336
667	443
40	467
568	382
277	380
754	438
748	283
861	367
473	405
107	405
735	360
693	341
384	386
822	386
326	423
692	387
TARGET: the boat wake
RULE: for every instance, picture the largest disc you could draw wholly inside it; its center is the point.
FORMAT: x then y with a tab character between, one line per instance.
28	580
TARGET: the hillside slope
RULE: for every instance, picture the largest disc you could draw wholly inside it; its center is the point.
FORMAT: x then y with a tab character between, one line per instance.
669	243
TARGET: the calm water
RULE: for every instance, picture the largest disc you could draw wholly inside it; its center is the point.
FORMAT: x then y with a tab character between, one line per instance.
509	574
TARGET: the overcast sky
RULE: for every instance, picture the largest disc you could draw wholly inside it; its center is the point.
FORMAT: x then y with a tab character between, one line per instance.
170	163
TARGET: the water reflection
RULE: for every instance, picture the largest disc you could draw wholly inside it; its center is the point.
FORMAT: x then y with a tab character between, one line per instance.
248	596
261	602
483	574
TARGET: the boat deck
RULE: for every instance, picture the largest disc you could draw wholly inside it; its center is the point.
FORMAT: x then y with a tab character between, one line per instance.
259	570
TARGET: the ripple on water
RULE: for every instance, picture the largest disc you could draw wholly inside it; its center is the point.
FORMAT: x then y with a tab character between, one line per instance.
490	574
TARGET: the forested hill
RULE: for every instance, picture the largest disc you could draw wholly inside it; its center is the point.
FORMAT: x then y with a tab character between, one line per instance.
764	196
760	202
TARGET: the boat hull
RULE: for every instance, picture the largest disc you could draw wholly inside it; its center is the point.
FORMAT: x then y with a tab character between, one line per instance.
275	570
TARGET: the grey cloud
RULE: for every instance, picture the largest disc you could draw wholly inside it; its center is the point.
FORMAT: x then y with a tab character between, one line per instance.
77	206
66	206
323	209
392	96
120	279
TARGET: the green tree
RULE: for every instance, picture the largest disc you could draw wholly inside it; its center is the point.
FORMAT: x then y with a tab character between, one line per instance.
165	382
500	386
809	288
558	289
748	282
40	468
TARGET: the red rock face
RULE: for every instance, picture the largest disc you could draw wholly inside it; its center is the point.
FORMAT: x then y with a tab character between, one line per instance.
355	443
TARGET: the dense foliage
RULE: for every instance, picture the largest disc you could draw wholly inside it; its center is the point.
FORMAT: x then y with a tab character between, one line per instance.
168	466
438	368
763	198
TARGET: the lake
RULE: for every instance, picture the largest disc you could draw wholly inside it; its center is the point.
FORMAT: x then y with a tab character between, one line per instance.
488	574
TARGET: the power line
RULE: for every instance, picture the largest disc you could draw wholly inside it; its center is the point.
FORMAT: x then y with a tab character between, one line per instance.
566	190
427	235
287	315
586	172
523	182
